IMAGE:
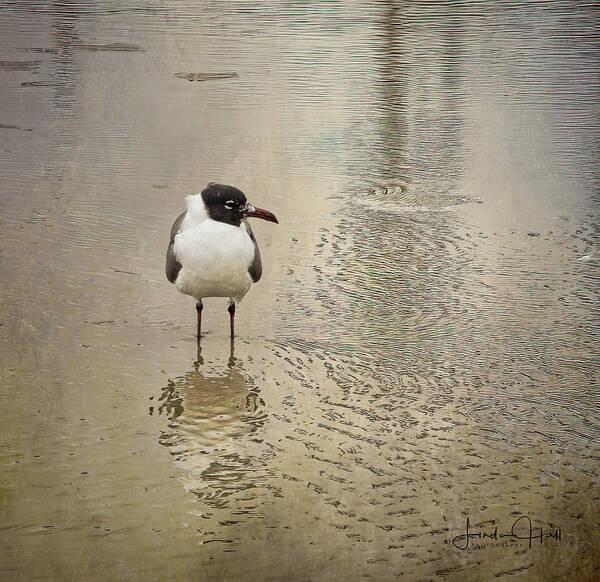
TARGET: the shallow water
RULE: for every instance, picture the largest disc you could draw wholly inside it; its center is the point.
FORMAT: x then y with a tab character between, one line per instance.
422	348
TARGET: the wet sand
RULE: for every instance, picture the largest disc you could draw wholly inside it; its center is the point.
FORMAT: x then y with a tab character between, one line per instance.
422	348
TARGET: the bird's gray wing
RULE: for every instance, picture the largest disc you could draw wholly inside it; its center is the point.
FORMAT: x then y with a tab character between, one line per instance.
173	266
255	268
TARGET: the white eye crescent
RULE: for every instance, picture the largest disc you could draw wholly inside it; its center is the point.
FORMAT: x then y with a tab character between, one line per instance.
229	204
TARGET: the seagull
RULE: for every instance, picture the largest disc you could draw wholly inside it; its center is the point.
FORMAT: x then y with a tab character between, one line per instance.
212	251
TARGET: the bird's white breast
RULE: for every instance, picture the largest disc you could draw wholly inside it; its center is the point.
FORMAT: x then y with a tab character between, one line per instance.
214	256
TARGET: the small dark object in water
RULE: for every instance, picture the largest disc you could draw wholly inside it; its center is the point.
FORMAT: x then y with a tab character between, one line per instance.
43	50
533	234
36	84
115	46
19	65
205	76
3	126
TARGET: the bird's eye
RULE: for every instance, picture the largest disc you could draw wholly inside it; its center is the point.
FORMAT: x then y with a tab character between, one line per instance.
229	204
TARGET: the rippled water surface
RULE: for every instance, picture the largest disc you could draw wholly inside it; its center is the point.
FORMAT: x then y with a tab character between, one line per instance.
421	351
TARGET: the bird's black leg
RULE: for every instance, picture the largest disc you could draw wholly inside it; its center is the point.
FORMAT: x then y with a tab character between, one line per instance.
231	310
199	307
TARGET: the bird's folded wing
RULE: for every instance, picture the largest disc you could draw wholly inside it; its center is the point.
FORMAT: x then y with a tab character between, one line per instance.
173	266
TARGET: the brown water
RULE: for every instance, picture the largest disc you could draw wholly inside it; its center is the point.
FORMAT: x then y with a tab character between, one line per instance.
422	349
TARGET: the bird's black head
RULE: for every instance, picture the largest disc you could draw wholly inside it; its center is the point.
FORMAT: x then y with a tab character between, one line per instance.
224	203
229	205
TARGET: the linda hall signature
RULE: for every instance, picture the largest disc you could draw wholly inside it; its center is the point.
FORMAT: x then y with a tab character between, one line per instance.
522	529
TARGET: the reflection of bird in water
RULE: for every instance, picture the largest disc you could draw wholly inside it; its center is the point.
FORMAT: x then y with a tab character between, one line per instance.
212	251
212	433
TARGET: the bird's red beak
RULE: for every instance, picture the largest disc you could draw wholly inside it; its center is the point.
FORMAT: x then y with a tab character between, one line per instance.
260	213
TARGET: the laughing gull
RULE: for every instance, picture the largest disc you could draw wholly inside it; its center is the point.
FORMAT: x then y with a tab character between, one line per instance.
212	251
